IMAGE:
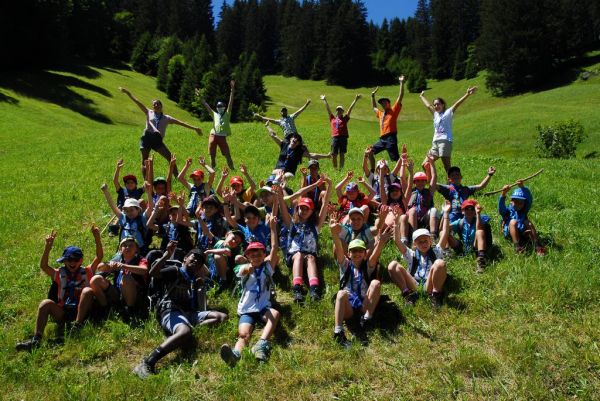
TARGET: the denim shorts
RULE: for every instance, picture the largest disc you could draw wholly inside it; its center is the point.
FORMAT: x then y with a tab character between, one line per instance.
253	317
172	319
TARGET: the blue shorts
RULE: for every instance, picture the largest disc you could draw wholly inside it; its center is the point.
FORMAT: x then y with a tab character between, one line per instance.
388	142
253	317
339	144
151	140
171	320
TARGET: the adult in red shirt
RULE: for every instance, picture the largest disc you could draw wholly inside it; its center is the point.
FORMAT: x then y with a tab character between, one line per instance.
388	131
339	130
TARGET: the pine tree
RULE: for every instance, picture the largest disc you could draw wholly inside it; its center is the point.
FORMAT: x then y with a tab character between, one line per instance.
142	52
215	86
176	69
170	47
198	59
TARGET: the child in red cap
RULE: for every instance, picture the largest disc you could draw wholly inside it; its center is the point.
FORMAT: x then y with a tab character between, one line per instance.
351	198
198	188
471	233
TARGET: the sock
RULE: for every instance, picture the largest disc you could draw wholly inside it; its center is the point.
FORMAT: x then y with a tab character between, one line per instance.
298	281
313	281
404	240
367	315
481	254
155	356
338	329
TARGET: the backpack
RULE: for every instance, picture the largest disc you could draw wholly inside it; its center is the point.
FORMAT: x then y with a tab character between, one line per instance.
155	287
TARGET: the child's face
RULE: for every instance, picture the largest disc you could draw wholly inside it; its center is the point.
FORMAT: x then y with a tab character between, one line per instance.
518	204
304	212
173	215
352	195
192	262
469	213
233	240
131	212
266	198
294	142
160	189
130	185
423	243
128	250
251	220
357	256
395	193
455	177
357	220
314	170
237	187
420	184
73	264
339	113
197	180
209	210
256	257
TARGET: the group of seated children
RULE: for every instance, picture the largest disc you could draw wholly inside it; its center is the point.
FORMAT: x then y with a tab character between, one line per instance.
232	236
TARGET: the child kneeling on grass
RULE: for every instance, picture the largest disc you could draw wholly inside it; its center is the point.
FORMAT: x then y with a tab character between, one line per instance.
360	287
425	264
73	298
179	308
255	303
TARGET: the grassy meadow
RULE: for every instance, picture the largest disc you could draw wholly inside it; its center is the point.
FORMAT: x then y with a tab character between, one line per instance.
526	329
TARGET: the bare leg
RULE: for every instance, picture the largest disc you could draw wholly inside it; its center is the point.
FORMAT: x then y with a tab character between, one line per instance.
437	277
129	290
212	150
47	308
244	332
99	284
298	265
343	309
224	146
86	301
412	219
514	231
221	263
311	267
372	299
271	318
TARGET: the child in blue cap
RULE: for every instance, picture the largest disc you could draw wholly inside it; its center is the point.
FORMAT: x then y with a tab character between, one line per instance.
515	222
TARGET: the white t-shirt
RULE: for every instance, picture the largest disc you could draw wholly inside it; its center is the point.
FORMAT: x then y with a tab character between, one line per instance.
256	294
442	125
159	122
424	263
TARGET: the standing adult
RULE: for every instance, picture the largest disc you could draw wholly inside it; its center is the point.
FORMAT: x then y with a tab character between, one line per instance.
286	122
388	131
221	128
156	127
441	146
339	130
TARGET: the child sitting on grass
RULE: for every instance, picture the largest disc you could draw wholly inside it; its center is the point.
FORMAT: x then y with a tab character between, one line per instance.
515	222
471	233
425	264
360	287
421	212
351	197
179	309
73	298
198	188
255	303
223	257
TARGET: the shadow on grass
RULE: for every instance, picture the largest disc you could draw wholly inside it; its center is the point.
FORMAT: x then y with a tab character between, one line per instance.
282	336
55	88
8	99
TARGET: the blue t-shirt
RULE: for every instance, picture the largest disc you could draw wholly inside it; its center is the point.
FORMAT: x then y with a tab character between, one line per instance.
217	225
456	194
261	233
123	194
134	228
197	194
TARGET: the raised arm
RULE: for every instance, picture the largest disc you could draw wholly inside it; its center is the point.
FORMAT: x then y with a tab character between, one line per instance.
368	187
139	104
382	239
401	91
181	177
325	203
99	250
211	174
433	182
445	232
160	263
265	119
426	102
479	223
283	209
469	92
307	188
44	260
491	171
150	200
373	103
397	232
316	156
358	96
224	174
180	218
117	174
110	201
273	255
336	228
230	104
172	164
365	162
324	99
398	170
229	198
186	125
382	191
342	184
251	183
409	182
203	102
301	109
272	134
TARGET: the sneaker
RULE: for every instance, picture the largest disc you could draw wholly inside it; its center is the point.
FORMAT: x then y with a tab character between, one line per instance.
297	294
366	324
261	350
28	345
315	294
519	249
229	355
341	339
410	298
540	250
75	329
143	369
436	300
480	264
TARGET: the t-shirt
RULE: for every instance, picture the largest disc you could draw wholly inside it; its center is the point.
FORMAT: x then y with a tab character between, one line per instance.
256	290
197	194
221	125
180	291
339	125
422	201
261	233
442	125
217	225
160	122
303	238
134	228
387	119
465	231
287	124
346	204
424	264
124	193
179	233
348	234
388	180
141	279
357	282
456	194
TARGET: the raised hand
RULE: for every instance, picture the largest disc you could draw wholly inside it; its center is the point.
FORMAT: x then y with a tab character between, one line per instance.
520	183
401	78
322	97
95	230
358	96
374	91
173	160
120	164
124	90
349	174
225	171
410	166
491	171
447	207
478	208
104	187
471	90
386	233
243	169
50	238
171	246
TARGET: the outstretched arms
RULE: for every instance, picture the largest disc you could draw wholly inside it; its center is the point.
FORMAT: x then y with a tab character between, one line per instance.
206	105
324	99
301	109
491	171
426	102
469	92
358	96
135	100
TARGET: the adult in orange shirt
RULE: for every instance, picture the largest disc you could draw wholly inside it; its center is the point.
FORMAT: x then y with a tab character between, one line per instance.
387	123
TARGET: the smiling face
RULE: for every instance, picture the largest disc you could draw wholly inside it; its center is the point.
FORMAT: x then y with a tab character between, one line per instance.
455	178
420	184
73	264
198	180
237	187
423	243
357	220
395	193
131	212
233	240
160	188
256	257
352	195
357	255
157	106
251	220
439	105
294	142
128	250
130	185
266	198
210	209
469	213
304	212
518	204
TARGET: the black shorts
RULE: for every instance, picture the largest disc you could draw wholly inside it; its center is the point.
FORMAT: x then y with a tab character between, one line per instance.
339	144
388	142
151	140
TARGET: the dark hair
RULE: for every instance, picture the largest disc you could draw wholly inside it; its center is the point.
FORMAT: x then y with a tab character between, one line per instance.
198	253
313	219
157	101
439	99
453	169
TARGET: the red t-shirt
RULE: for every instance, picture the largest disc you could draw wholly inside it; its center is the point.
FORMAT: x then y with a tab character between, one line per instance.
339	126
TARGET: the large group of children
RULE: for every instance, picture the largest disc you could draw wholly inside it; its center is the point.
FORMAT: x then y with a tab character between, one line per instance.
236	236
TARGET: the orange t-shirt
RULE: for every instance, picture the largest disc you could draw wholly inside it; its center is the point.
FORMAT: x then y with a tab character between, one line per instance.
387	121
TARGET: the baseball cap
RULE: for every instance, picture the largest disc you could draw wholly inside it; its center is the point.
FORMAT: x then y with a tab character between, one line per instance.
130	202
339	108
383	99
127	239
467	203
220	104
356	210
313	162
352	186
262	190
518	193
395	185
159	180
306	202
419	233
197	173
236	180
130	177
420	176
253	246
356	244
71	252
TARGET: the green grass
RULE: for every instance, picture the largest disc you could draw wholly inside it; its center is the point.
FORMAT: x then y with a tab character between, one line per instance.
526	329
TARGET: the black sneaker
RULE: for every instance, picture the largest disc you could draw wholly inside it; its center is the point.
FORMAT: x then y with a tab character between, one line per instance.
365	324
410	298
480	264
75	329
28	345
297	294
436	300
315	294
143	369
341	339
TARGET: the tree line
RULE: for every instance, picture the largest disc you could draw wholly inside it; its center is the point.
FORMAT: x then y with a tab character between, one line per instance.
521	44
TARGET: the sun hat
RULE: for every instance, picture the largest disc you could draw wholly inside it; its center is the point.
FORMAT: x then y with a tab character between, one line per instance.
419	233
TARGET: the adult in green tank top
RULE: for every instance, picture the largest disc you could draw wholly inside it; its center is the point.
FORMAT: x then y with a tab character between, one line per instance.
221	128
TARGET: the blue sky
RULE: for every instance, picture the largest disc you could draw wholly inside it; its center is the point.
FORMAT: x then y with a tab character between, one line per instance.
377	9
